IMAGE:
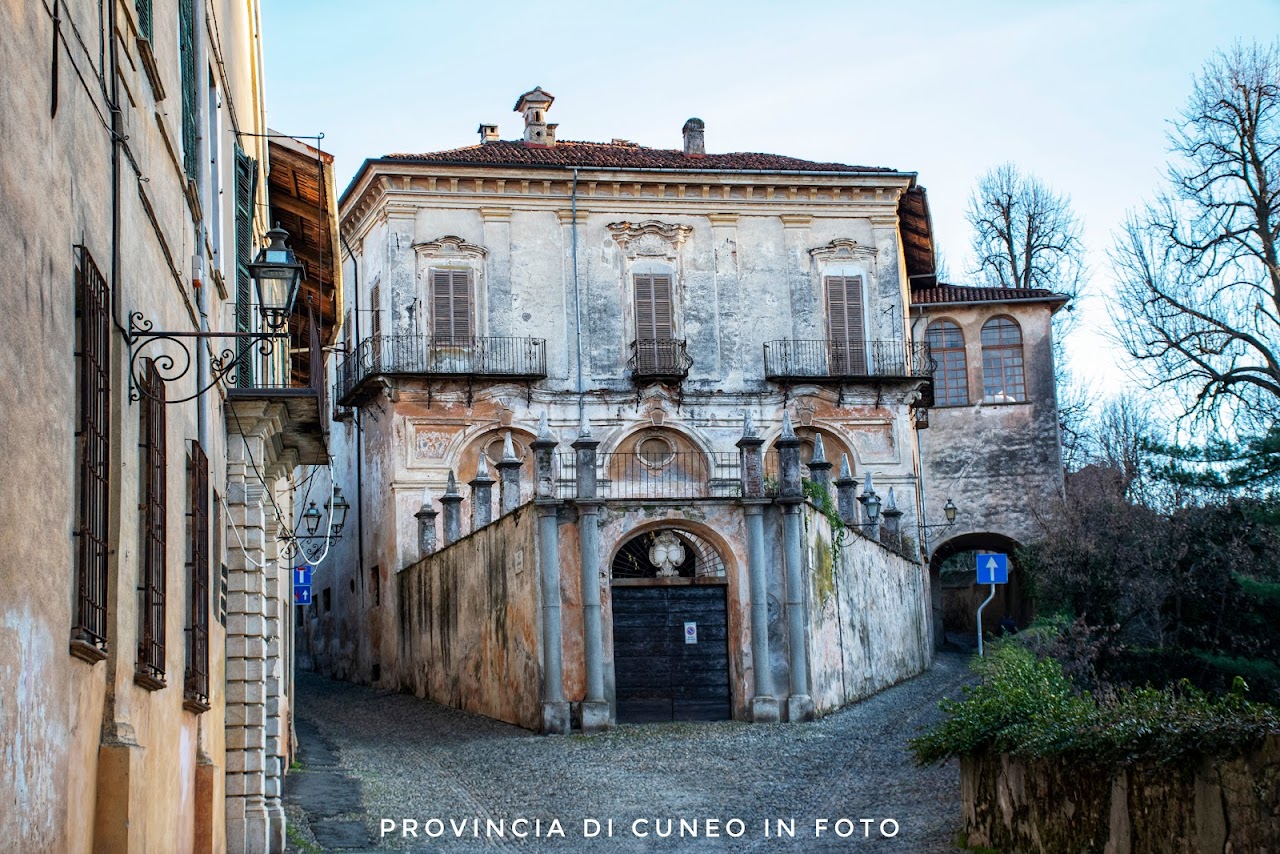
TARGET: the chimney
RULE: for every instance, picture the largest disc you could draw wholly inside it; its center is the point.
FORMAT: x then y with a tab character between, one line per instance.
551	134
534	104
488	133
694	143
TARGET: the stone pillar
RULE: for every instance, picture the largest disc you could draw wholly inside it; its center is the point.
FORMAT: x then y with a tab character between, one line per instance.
555	709
248	823
595	709
819	468
751	463
799	702
509	476
481	494
426	517
452	503
273	622
890	534
846	494
764	706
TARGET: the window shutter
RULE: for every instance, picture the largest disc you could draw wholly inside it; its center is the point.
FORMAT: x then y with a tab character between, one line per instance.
451	306
655	319
187	51
375	312
143	8
246	180
845	333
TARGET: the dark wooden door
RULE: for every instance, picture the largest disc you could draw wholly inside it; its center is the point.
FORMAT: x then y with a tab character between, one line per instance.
659	676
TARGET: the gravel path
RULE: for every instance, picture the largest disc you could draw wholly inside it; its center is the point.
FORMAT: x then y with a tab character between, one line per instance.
415	760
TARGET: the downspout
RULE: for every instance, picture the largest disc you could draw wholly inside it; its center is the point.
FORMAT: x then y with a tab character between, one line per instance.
117	140
204	146
355	287
577	292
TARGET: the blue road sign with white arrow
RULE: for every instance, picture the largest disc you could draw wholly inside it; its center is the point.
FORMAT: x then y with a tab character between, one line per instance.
993	569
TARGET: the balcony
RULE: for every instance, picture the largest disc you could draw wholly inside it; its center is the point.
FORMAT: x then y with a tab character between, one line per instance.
418	356
656	361
832	361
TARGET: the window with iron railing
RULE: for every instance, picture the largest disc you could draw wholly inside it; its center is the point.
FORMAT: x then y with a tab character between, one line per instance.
149	672
195	687
93	446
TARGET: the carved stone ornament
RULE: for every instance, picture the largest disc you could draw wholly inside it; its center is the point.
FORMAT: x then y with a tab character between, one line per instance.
843	249
650	238
666	553
450	246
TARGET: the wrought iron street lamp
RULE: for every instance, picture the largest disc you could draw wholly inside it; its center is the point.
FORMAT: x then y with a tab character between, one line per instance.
277	275
337	508
311	520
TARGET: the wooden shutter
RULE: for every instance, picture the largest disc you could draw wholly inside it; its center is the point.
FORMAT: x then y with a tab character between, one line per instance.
187	55
451	306
246	181
846	337
143	8
655	320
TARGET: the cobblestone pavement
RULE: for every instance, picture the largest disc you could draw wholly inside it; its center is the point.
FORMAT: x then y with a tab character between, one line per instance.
368	755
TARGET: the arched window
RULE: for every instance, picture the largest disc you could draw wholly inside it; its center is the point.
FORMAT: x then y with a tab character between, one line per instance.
1002	378
950	377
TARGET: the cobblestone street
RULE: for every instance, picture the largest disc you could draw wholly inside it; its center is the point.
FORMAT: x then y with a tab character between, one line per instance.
368	755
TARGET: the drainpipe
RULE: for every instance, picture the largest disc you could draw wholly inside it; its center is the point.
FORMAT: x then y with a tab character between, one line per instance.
206	178
355	287
577	293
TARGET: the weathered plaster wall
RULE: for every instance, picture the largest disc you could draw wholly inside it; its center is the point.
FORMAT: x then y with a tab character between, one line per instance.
471	624
868	610
1015	805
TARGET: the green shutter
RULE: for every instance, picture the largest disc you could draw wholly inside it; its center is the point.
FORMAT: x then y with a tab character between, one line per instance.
143	8
187	49
246	181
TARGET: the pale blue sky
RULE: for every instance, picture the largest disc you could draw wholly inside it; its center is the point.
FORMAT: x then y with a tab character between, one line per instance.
1078	93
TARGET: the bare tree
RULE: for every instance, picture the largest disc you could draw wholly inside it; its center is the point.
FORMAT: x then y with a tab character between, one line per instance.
1199	296
1024	234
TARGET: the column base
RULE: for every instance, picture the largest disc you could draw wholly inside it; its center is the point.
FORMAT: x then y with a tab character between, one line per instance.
555	718
595	716
764	710
799	708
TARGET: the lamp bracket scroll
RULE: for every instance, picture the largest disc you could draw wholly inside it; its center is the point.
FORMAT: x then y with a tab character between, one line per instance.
173	362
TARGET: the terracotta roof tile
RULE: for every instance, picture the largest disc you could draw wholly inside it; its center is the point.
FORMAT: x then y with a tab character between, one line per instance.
624	155
961	293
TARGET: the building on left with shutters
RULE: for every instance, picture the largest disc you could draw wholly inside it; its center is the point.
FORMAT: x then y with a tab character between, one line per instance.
145	675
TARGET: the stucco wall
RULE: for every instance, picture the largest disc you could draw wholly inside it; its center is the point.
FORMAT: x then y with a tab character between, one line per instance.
1015	805
867	609
470	624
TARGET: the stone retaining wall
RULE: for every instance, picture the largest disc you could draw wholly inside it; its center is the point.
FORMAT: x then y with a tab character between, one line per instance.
1049	806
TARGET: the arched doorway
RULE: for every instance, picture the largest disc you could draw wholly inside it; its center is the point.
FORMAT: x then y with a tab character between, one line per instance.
956	594
670	629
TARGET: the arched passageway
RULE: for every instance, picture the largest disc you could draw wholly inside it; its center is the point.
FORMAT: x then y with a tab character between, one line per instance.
957	595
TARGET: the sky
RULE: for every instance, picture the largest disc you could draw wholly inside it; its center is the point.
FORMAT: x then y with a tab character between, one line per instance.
1079	94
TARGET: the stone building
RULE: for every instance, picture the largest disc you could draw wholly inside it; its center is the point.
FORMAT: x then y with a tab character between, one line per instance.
143	647
993	446
644	301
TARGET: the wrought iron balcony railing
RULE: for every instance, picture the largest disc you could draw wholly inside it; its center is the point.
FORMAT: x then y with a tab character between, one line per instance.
630	476
417	355
841	361
659	360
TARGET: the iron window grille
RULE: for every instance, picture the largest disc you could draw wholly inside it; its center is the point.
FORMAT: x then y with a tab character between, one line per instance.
196	678
151	587
89	634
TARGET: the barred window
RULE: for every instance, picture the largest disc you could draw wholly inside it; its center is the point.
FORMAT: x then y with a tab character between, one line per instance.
196	678
950	378
151	584
1002	377
93	400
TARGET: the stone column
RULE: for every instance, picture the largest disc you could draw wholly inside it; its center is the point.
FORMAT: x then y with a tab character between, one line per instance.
452	503
273	622
819	468
890	534
481	494
426	517
764	706
248	823
555	709
509	476
595	709
846	494
799	702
